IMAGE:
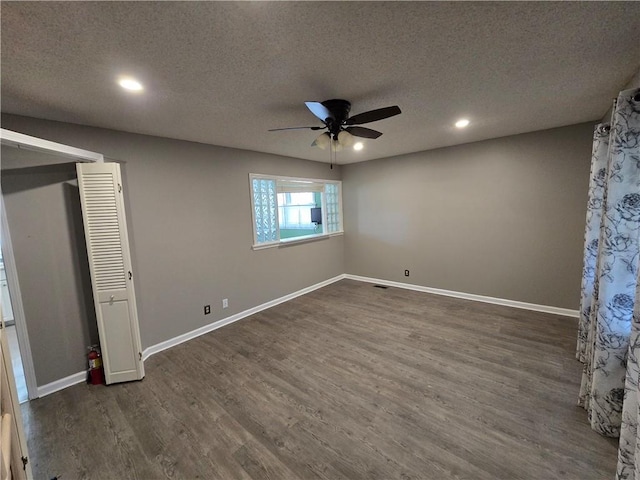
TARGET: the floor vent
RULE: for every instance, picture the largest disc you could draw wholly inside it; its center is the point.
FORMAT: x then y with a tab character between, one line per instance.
380	286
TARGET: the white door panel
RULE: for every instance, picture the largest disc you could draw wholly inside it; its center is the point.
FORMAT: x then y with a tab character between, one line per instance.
110	265
119	341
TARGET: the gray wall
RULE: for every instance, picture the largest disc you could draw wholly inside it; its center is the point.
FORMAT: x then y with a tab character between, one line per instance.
503	218
190	228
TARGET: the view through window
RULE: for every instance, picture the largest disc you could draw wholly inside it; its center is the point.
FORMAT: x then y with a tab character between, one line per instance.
286	209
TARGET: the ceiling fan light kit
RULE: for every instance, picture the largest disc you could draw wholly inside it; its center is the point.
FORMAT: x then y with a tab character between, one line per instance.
346	139
322	142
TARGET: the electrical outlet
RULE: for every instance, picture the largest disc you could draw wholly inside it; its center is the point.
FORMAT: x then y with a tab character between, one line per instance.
406	273
225	303
207	309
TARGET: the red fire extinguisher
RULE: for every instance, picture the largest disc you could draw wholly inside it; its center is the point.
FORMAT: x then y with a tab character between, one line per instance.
96	374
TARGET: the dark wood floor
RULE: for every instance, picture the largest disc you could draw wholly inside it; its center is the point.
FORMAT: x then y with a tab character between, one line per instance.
350	381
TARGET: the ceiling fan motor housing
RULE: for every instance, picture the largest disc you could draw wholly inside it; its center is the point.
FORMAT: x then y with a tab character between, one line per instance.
340	110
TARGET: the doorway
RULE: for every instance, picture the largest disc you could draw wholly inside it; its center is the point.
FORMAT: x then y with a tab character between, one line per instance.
33	154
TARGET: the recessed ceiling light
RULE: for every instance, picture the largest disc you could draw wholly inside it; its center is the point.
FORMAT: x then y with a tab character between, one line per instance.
358	146
130	84
463	122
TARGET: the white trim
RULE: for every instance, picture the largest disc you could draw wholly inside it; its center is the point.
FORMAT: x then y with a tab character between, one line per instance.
81	377
294	240
470	296
185	337
261	246
65	382
26	142
303	238
294	179
16	304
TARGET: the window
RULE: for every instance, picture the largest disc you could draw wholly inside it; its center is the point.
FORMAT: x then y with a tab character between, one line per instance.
288	209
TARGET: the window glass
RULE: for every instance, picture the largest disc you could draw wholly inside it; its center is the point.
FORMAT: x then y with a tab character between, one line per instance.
264	210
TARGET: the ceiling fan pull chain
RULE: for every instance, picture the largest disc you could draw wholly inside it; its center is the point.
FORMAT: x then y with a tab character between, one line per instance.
330	156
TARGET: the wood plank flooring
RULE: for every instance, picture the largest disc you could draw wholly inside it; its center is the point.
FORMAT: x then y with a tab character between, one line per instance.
349	381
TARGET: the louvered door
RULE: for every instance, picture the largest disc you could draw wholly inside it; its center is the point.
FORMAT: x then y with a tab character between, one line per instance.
110	265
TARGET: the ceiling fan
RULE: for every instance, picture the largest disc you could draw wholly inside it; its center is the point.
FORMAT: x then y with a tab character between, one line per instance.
341	128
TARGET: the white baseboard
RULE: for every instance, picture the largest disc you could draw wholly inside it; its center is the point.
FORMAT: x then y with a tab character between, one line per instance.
470	296
172	342
185	337
80	377
65	382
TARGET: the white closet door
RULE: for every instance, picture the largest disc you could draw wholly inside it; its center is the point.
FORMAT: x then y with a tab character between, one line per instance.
111	275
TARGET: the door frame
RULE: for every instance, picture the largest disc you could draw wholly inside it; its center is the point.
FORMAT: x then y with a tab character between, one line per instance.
27	142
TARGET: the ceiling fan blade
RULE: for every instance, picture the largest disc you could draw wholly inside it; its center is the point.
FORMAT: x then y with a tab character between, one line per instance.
295	128
373	115
319	110
363	132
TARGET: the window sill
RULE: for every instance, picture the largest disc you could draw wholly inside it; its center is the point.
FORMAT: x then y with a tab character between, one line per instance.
295	241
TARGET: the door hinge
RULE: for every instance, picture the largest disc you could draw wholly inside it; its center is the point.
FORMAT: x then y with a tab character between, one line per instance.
119	188
25	460
140	355
1	325
130	275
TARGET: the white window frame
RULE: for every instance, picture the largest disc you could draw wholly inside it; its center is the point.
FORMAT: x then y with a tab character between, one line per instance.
307	238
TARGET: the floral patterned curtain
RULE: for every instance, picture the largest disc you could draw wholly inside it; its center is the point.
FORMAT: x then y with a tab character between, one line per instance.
610	274
599	157
629	450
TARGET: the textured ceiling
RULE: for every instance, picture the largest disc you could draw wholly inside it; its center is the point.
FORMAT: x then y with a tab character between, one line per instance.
225	72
